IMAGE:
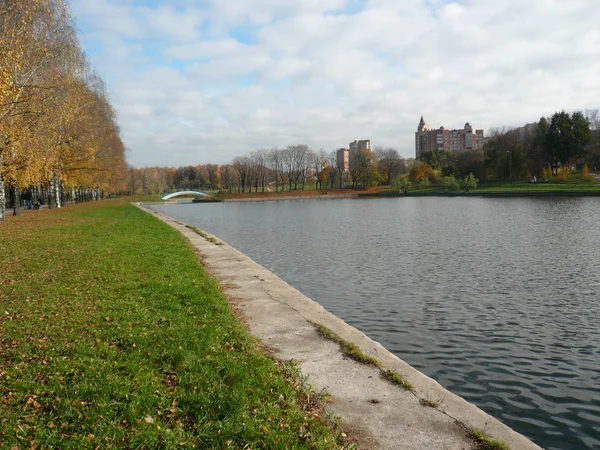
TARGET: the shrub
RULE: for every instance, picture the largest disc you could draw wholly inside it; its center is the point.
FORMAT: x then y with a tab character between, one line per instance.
420	172
547	172
469	182
585	171
424	182
403	184
450	183
564	172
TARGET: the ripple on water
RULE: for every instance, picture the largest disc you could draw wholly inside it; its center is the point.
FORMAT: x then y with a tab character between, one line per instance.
496	299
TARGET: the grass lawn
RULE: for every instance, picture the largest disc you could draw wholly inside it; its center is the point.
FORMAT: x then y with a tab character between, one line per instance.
112	335
574	183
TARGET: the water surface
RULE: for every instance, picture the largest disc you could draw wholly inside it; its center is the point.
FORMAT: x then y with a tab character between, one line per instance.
496	299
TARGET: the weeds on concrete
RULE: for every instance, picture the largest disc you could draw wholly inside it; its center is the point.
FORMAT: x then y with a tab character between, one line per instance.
483	442
204	235
352	351
429	403
392	376
310	399
348	348
313	402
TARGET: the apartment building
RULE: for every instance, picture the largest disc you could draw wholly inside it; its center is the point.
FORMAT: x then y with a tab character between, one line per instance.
427	138
343	159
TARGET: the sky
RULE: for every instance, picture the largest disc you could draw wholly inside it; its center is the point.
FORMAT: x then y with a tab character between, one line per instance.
203	81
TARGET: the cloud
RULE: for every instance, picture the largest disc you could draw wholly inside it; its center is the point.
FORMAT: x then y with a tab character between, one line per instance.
204	81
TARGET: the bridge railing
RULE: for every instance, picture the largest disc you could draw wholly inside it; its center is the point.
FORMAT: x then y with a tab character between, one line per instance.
180	193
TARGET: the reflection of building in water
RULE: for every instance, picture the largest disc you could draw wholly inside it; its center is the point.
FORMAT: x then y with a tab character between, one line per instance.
427	138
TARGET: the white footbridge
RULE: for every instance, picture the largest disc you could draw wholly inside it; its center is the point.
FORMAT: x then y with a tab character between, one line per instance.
179	194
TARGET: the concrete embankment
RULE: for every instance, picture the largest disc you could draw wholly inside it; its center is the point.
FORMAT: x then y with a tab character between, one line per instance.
290	197
380	414
487	194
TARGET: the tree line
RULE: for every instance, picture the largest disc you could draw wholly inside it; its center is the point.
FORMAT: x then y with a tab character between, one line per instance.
559	142
532	150
58	131
294	167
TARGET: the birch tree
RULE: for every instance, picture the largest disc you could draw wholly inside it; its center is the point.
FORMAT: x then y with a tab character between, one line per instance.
56	124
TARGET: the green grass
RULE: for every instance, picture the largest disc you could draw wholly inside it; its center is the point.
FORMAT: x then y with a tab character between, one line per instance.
392	376
483	442
113	336
574	183
204	235
348	348
351	351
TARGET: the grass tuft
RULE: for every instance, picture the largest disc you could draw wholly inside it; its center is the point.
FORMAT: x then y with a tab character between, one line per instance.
349	349
429	403
204	235
392	376
483	442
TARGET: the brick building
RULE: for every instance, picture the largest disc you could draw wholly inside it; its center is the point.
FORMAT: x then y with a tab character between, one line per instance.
427	138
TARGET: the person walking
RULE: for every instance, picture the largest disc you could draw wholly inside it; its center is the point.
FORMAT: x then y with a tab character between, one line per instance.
26	196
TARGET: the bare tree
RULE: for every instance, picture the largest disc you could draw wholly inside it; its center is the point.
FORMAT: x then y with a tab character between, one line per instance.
299	161
593	157
244	168
363	167
276	158
259	164
389	163
307	172
229	177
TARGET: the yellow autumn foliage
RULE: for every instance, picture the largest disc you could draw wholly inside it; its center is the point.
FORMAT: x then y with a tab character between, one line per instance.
56	121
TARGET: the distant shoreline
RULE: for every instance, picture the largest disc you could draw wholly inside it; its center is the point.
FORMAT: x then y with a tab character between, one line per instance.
489	194
250	198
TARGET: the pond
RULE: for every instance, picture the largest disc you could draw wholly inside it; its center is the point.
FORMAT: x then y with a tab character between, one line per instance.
496	299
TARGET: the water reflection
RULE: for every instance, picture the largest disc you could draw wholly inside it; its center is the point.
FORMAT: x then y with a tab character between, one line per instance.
497	299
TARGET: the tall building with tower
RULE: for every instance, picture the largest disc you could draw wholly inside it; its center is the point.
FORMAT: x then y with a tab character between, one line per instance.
427	138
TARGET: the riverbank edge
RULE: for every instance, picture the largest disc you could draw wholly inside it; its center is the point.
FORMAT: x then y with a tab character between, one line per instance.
363	195
380	413
486	194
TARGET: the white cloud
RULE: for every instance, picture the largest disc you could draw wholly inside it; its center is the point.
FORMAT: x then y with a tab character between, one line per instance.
197	82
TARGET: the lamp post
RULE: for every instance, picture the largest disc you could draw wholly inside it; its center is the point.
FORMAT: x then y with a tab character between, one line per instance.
509	164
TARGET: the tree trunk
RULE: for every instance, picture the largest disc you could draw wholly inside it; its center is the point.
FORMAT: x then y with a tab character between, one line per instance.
50	196
16	201
56	186
2	198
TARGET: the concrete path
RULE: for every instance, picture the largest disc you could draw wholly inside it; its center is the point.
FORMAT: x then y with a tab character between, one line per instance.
279	198
378	413
595	176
